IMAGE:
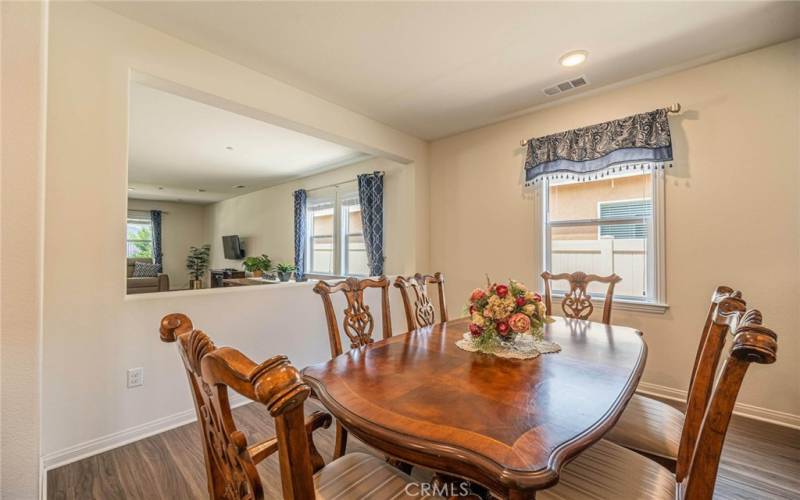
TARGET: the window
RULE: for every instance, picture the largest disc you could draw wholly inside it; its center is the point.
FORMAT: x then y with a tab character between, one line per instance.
336	238
610	225
629	208
140	235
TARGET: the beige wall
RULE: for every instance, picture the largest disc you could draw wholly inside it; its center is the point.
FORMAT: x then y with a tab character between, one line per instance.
732	211
92	331
182	225
23	40
265	219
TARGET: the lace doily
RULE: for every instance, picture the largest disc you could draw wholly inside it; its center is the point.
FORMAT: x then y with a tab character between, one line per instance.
525	347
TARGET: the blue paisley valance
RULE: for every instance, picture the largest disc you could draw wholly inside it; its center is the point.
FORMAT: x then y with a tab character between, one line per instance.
640	141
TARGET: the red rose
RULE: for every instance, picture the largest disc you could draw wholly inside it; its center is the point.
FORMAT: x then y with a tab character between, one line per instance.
502	328
501	290
521	301
475	330
471	310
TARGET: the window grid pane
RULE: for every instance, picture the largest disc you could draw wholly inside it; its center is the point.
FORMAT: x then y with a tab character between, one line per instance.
139	239
633	208
623	248
336	240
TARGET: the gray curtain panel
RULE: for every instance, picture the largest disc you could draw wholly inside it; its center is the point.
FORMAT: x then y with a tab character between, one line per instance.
370	196
640	141
155	220
300	232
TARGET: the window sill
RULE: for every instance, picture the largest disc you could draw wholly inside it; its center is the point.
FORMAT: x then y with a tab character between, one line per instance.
627	305
646	307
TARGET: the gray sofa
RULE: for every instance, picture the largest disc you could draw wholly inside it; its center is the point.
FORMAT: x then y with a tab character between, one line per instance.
145	285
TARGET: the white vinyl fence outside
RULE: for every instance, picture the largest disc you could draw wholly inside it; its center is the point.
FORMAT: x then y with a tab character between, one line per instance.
626	257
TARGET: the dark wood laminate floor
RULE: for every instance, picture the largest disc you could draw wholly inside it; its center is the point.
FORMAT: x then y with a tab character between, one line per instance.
760	461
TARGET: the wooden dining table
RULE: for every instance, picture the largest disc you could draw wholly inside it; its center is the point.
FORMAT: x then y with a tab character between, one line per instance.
507	424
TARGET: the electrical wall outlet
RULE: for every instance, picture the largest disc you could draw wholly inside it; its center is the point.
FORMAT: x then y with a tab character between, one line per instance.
135	377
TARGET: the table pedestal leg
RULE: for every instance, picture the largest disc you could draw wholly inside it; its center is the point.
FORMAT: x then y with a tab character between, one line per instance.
340	441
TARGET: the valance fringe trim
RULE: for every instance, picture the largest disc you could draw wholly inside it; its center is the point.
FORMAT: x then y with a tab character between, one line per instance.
600	174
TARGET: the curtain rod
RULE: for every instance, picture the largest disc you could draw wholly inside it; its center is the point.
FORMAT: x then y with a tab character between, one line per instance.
672	108
337	184
163	212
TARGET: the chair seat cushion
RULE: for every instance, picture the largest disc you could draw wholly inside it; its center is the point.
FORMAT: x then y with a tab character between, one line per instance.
359	475
649	426
609	471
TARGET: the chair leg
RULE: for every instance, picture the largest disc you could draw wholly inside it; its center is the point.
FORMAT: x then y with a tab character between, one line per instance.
399	464
340	443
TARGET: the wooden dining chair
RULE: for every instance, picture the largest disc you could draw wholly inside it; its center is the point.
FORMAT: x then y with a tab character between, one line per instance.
654	428
275	383
577	303
420	311
358	324
609	471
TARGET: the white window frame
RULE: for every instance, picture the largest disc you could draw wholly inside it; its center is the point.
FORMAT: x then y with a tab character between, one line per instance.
310	237
656	258
339	198
135	217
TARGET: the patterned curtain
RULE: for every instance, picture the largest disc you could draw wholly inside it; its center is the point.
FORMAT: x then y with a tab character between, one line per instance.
636	142
300	225
370	196
155	220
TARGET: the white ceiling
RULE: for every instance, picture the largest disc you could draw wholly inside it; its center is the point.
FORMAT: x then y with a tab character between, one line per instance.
434	69
179	146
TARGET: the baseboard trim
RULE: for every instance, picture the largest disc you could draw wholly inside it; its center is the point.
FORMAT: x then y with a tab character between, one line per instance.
123	437
742	409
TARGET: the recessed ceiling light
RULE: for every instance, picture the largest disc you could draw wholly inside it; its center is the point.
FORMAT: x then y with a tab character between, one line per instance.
131	189
239	186
573	58
201	190
160	188
229	148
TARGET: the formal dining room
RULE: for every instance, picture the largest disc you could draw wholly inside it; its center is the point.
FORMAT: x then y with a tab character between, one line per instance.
395	250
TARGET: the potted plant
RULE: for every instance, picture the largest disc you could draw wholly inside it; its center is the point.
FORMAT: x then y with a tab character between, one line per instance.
197	265
285	271
258	265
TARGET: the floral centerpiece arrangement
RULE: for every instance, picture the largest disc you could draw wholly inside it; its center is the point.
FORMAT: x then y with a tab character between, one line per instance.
501	313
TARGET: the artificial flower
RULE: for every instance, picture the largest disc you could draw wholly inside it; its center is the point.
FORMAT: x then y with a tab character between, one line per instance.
477	295
478	319
475	330
502	328
501	290
533	297
500	308
520	323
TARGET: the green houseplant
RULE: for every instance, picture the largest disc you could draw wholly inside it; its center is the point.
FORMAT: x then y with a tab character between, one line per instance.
258	265
197	265
285	271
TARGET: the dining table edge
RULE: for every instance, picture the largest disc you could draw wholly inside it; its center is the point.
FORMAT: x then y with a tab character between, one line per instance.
422	451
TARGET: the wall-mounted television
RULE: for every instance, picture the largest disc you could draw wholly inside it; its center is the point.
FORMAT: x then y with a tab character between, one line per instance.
232	247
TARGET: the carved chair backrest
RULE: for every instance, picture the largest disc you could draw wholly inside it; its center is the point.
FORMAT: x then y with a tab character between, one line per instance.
752	343
726	314
721	293
230	464
419	310
358	322
577	303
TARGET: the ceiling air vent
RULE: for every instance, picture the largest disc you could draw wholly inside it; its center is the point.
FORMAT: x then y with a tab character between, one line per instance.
566	86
